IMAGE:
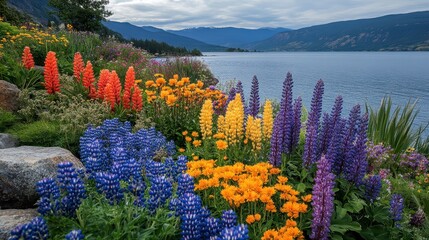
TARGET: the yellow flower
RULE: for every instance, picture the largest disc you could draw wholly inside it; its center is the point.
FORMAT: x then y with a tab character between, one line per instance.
149	83
234	120
138	81
171	99
267	120
219	136
158	75
410	149
221	144
160	81
206	119
195	158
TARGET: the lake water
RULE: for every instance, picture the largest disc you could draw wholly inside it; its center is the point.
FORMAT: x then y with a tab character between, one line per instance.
359	77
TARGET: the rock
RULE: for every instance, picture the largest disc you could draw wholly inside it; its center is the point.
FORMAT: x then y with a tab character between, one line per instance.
22	167
9	96
10	218
7	141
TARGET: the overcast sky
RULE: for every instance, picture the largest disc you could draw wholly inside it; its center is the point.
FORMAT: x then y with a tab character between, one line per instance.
179	14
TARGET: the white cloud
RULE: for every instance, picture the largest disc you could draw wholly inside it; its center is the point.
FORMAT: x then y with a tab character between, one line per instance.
178	14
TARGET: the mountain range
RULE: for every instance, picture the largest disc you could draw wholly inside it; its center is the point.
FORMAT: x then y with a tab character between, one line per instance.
397	32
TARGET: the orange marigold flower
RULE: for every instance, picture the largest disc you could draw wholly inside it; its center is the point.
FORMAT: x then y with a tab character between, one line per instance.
195	158
257	217
200	84
196	143
194	134
130	77
89	79
102	82
250	219
275	171
27	58
171	99
51	74
172	82
78	66
137	99
188	139
176	76
221	144
160	81
282	179
181	150
184	133
149	83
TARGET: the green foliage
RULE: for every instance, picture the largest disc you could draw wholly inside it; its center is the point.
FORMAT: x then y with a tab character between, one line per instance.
22	77
99	220
7	119
83	15
39	133
163	48
394	128
11	15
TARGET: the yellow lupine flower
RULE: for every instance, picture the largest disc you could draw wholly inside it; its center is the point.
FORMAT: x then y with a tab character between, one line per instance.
206	119
256	135
221	125
234	120
267	120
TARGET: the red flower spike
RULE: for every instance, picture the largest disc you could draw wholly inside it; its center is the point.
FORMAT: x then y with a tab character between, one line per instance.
102	82
109	96
137	99
116	84
51	74
129	83
78	66
27	58
89	79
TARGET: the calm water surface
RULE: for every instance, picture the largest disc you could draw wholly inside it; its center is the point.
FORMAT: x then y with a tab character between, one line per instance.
359	77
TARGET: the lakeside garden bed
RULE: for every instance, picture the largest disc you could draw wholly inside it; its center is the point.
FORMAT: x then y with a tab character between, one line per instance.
173	157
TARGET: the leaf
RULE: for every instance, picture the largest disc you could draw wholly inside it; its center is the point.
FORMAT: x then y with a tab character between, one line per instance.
375	232
343	222
355	205
336	237
301	187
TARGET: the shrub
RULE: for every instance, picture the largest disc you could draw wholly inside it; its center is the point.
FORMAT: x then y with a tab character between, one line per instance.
7	119
39	133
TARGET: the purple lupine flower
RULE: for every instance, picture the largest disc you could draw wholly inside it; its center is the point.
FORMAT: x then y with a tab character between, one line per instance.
109	184
415	162
418	218
349	136
357	165
297	108
229	219
239	232
396	208
334	151
239	89
75	235
185	184
316	105
329	123
155	169
231	95
275	157
310	147
181	164
35	229
377	155
311	135
190	216
286	110
323	200
372	187
72	200
160	191
254	104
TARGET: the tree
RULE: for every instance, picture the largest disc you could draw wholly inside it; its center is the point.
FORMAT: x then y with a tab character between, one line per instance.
83	15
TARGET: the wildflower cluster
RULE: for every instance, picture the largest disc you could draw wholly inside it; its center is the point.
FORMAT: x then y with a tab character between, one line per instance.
35	229
251	189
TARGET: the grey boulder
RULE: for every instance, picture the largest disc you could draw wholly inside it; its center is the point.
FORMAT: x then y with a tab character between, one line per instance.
9	96
22	167
11	218
7	141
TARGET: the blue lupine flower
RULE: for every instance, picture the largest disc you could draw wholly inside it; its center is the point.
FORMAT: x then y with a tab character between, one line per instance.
160	191
214	226
229	219
328	125
231	95
35	229
286	110
372	187
358	164
185	184
190	213
66	172
49	193
109	184
75	235
275	156
396	208
297	108
75	193
239	232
